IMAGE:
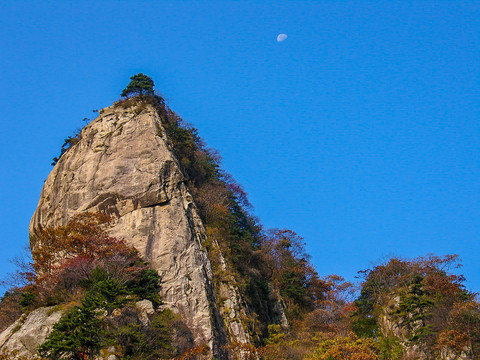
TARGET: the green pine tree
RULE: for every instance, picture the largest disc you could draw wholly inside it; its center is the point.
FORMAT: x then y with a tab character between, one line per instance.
78	333
141	85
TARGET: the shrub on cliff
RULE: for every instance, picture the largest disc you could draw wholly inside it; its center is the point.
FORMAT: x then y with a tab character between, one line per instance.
71	258
108	277
67	144
83	236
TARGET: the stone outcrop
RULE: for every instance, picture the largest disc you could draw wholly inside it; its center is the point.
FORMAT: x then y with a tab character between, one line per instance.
393	327
26	334
123	165
22	338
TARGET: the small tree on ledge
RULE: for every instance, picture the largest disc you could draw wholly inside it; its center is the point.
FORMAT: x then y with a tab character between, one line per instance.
141	85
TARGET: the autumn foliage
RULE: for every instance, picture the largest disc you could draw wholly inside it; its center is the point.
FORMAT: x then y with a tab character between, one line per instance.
345	348
262	262
433	311
96	280
327	318
84	236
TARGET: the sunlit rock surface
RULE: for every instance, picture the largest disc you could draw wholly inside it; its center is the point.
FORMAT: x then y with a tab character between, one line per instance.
26	334
124	166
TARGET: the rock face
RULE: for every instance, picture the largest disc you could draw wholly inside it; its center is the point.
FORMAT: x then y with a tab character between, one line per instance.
26	334
390	326
123	165
23	337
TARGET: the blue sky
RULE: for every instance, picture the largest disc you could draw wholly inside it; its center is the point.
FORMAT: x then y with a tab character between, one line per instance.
360	131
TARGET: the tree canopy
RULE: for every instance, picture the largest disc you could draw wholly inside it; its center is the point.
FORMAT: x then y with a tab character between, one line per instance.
141	84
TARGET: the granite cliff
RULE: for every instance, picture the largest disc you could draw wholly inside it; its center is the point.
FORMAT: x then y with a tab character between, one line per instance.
123	165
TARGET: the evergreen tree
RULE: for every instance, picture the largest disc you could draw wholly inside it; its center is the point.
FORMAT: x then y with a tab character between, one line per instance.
141	85
77	334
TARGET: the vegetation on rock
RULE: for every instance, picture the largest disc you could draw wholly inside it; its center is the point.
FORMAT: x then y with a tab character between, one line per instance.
405	309
417	303
140	84
67	144
263	262
260	262
97	279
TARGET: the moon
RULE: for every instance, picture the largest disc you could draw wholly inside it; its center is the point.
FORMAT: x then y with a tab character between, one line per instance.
281	37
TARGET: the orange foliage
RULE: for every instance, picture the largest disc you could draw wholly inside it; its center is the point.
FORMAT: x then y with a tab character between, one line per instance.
10	310
196	353
445	315
82	236
288	266
65	255
462	333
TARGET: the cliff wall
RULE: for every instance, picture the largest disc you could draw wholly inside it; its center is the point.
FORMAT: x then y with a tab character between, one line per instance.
123	165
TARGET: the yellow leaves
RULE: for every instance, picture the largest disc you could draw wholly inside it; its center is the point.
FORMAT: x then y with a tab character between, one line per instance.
346	348
275	334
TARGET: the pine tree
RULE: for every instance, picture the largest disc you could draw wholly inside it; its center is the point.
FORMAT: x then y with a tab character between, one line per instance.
141	85
77	334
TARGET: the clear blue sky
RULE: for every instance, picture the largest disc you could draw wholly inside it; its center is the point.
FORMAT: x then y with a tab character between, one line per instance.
360	131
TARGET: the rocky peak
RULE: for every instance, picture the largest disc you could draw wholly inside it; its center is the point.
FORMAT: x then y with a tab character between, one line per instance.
123	165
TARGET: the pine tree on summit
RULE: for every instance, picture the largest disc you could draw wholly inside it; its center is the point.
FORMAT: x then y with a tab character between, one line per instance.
141	84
